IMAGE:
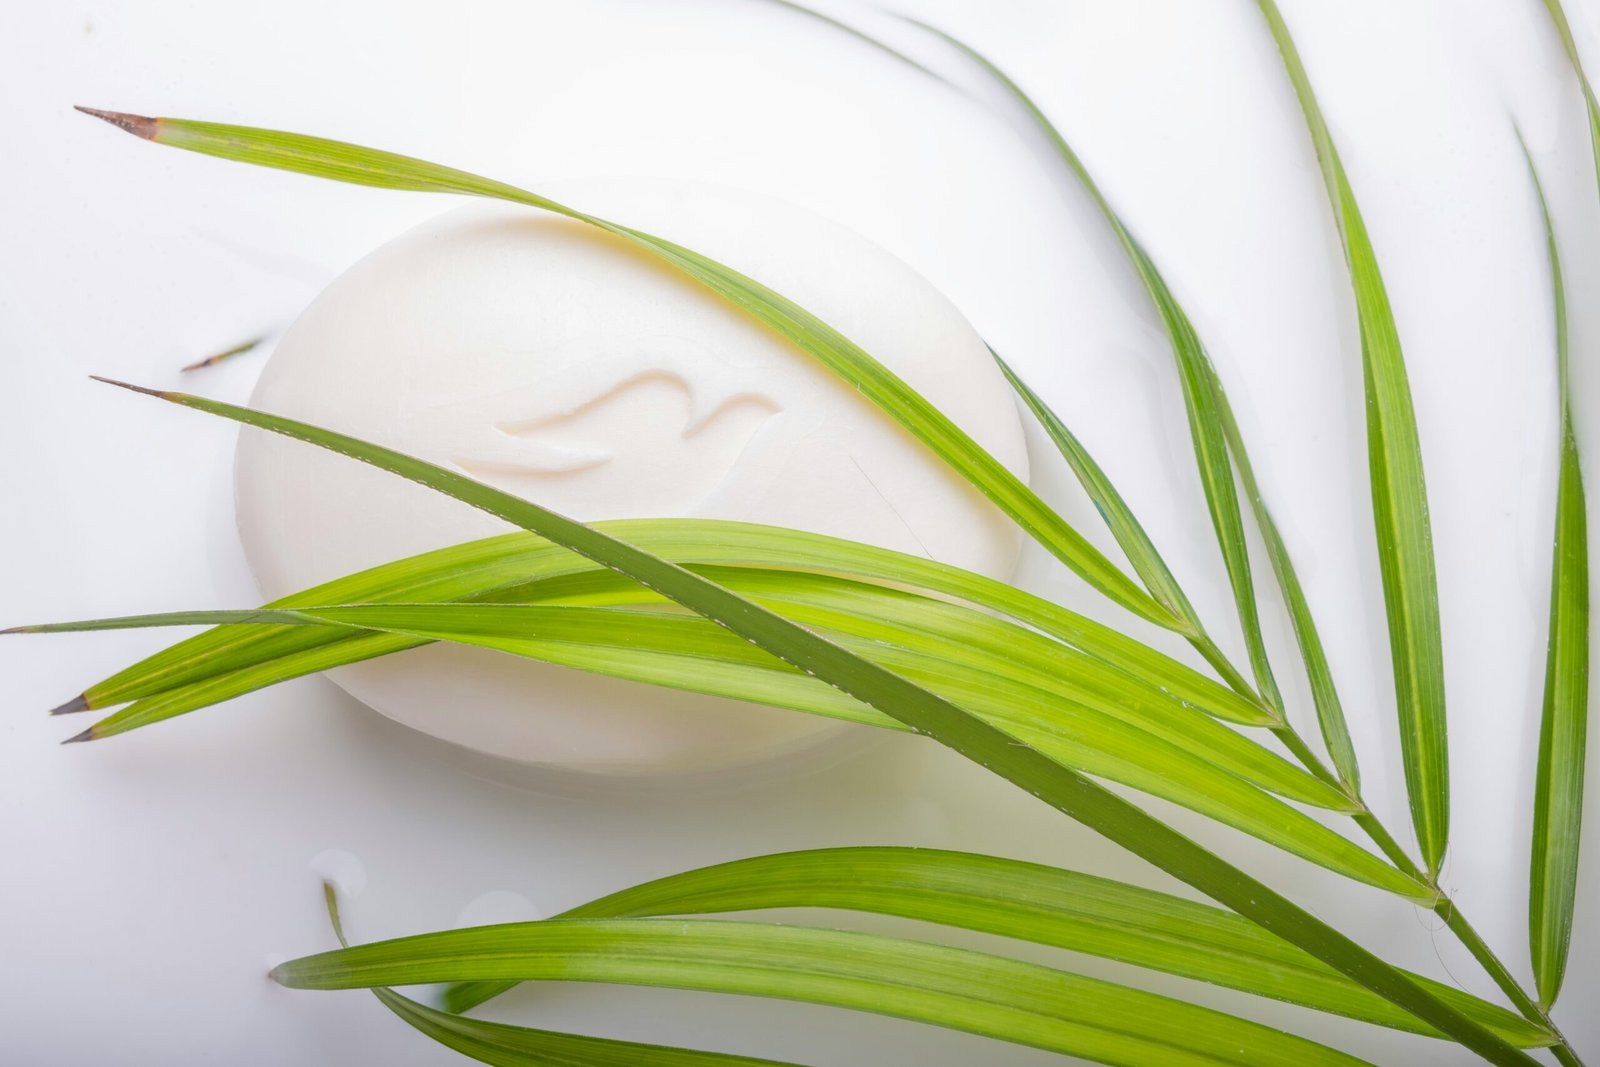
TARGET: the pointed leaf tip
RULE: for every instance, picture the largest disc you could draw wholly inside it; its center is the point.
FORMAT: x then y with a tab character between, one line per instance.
138	125
76	704
87	735
130	387
330	899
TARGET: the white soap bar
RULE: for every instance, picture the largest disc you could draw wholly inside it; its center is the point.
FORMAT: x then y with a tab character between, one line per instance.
558	363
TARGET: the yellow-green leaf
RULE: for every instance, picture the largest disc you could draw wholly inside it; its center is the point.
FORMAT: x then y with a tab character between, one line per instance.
1399	497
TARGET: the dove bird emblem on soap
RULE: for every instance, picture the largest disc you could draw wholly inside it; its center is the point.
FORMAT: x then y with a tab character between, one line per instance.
654	439
554	362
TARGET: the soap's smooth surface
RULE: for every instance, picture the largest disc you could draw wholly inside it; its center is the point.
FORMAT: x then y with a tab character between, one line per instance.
553	361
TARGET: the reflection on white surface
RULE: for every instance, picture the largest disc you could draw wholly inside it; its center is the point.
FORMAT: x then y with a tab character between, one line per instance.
498	906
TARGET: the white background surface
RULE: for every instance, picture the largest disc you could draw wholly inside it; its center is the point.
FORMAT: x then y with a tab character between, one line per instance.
151	880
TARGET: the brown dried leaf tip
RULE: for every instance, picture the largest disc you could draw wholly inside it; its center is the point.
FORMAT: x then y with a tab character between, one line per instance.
76	704
225	354
132	388
138	125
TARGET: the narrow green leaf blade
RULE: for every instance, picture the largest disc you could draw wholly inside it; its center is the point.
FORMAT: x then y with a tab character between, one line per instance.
1113	509
1162	749
1030	902
1324	694
521	567
1563	730
338	161
1399	497
504	1045
453	573
1067	735
1198	378
1210	446
860	35
1206	400
1570	46
960	989
1067	791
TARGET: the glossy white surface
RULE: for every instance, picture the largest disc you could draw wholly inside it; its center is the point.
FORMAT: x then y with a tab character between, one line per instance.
151	879
553	361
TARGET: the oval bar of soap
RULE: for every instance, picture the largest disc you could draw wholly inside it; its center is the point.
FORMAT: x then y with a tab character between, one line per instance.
556	362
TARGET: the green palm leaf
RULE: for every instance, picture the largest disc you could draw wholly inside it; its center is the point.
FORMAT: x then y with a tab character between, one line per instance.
1211	420
976	992
363	166
987	667
1029	902
519	1046
1330	714
1570	46
1216	473
1128	531
1399	497
1563	732
925	713
522	567
1119	518
929	636
1206	429
865	38
505	1045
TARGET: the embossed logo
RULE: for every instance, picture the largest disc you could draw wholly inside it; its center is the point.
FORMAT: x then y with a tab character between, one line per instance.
644	440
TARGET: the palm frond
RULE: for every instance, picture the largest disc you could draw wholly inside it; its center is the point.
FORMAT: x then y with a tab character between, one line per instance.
923	712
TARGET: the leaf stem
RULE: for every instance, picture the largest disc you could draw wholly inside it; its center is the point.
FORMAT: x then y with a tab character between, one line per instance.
1053	783
1338	740
1203	644
1301	751
1475	944
1445	908
1380	835
1374	828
